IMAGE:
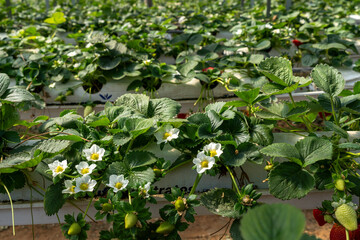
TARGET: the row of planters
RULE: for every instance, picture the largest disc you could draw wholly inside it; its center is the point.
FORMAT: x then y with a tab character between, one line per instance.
117	157
159	48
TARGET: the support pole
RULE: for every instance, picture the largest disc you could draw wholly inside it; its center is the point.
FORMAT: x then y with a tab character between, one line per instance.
8	6
149	3
288	5
47	3
268	8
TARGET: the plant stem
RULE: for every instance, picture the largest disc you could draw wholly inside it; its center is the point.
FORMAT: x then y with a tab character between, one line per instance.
32	215
129	197
57	216
197	180
305	120
88	206
347	234
233	180
81	210
42	134
179	165
12	207
333	111
129	146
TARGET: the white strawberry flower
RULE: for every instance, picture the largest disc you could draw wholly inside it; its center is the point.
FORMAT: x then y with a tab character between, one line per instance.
144	190
58	167
147	62
84	169
213	149
166	134
95	153
117	182
70	187
84	184
203	162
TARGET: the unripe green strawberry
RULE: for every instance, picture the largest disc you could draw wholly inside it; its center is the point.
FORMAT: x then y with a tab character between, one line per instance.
347	217
328	218
165	228
340	184
107	207
69	92
87	110
74	229
130	220
158	172
179	204
268	167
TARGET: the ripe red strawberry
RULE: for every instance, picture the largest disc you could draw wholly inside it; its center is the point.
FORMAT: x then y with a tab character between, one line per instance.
319	217
338	233
356	233
207	69
297	43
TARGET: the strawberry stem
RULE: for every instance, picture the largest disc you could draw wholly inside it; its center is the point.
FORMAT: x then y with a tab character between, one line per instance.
347	234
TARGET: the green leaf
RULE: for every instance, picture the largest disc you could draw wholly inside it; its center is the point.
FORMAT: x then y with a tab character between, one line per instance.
313	149
270	222
56	18
195	39
16	161
121	139
261	134
307	237
137	159
53	145
140	177
305	152
187	67
325	46
54	198
138	126
264	44
274	88
280	111
328	79
288	180
109	63
333	127
248	96
116	48
221	202
238	156
17	94
235	232
4	83
282	150
8	116
163	108
309	60
199	119
278	70
138	103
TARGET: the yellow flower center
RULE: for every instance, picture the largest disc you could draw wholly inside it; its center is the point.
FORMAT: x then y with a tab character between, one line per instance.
85	171
72	189
212	153
204	164
118	185
143	192
59	169
166	135
94	156
84	186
